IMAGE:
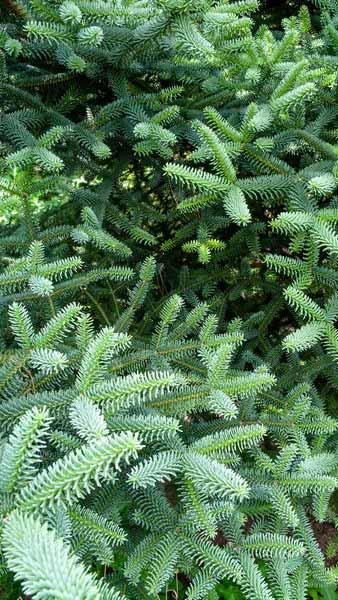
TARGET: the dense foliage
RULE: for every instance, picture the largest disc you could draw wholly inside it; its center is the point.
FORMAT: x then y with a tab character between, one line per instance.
169	298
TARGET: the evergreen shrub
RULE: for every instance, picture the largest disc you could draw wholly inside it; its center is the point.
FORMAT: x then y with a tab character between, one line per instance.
169	299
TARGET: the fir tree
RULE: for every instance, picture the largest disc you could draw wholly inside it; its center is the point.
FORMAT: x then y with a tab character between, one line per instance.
168	297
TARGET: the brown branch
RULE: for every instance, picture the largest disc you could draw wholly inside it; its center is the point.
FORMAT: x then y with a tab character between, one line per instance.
15	8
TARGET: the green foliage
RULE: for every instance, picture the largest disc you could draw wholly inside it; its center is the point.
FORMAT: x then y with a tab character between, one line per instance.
169	303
